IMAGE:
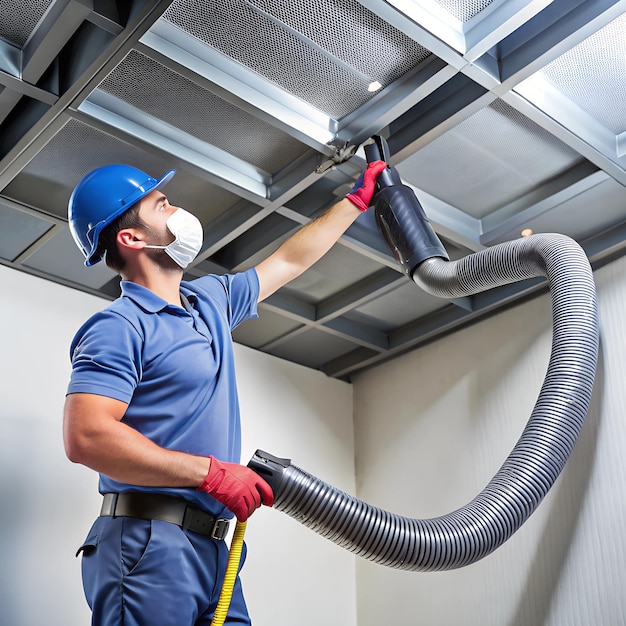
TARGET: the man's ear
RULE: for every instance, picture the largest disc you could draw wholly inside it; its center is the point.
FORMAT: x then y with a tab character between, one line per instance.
131	238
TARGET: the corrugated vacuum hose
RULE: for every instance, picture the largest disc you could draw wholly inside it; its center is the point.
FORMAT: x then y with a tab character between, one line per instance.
478	528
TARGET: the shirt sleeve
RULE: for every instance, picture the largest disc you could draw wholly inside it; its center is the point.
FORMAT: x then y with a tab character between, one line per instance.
244	295
106	357
237	293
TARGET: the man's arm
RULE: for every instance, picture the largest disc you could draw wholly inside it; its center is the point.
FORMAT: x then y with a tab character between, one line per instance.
305	247
317	237
95	436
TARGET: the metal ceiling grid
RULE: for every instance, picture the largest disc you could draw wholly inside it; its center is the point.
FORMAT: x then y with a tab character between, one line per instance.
495	156
78	147
18	230
501	114
17	26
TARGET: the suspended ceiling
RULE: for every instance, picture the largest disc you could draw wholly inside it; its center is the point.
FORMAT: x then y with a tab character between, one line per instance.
503	115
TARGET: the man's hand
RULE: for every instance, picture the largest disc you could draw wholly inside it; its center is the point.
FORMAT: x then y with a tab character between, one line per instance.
315	239
365	186
237	487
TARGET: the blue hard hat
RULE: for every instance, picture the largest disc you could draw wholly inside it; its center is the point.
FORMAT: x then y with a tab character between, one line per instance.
101	197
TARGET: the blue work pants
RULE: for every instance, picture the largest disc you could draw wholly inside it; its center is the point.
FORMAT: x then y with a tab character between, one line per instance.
153	573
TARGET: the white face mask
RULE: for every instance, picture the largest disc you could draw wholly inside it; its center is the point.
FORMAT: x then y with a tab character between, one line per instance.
188	232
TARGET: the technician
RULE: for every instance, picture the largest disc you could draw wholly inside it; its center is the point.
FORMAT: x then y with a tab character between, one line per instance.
152	401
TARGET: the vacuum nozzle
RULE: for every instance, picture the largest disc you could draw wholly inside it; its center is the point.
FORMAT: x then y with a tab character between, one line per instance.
269	467
400	216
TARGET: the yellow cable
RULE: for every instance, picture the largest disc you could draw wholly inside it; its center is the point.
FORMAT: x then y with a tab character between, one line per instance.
232	569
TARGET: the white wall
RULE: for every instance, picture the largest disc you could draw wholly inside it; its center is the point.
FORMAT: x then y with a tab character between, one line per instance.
433	427
292	576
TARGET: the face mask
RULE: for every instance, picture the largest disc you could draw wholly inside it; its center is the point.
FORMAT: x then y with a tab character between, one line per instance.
188	232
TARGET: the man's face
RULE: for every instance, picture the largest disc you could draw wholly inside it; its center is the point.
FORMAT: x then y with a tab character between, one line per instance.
154	212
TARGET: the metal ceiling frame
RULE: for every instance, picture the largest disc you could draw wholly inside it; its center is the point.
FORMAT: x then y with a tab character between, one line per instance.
496	54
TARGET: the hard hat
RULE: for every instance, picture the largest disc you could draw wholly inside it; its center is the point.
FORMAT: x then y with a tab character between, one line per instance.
101	197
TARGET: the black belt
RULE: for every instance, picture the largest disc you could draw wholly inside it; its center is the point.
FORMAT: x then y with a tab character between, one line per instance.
150	506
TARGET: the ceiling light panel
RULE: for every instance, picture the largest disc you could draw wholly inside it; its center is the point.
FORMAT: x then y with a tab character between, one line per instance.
326	54
462	10
584	90
593	75
471	27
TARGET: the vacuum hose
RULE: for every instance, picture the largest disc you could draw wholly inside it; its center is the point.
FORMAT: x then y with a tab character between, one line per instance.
478	528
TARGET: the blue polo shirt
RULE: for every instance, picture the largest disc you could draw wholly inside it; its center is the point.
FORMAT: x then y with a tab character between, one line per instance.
173	366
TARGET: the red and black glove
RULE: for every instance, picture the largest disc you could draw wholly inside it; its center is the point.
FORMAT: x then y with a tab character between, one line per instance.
237	487
365	186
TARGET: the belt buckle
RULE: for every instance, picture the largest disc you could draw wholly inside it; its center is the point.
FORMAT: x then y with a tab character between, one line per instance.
109	504
220	529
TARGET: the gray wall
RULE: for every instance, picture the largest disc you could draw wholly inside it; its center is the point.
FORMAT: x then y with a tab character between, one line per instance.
433	427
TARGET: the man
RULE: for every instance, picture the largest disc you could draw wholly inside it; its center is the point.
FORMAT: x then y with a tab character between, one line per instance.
152	401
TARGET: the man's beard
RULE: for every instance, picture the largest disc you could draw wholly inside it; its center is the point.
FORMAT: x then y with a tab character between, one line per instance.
160	257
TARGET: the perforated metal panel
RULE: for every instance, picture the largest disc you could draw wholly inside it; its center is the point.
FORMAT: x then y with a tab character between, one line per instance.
593	75
464	10
488	160
78	148
67	157
17	21
326	53
172	98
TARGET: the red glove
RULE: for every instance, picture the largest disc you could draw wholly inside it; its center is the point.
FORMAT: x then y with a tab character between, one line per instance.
365	186
237	487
